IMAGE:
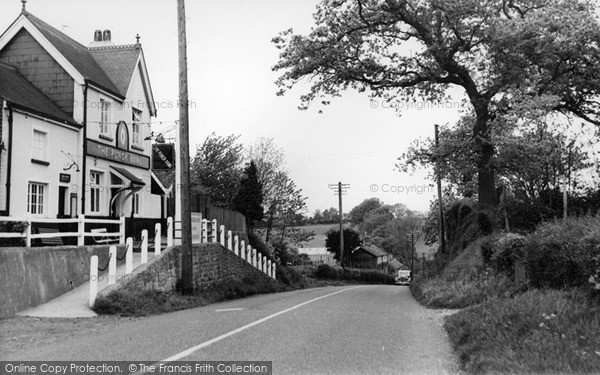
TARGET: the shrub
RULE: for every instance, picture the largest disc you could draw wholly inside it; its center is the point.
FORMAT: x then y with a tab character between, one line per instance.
524	216
505	251
561	253
12	227
466	222
325	271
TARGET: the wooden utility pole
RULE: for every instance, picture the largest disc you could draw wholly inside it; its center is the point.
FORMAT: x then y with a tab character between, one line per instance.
187	270
412	255
341	190
439	189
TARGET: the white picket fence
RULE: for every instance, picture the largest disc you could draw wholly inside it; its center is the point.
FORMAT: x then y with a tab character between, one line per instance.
212	233
81	234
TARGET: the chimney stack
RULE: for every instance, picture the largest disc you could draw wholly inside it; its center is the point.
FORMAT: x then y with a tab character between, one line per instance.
102	39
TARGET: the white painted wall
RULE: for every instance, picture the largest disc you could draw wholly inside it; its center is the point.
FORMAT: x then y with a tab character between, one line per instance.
59	139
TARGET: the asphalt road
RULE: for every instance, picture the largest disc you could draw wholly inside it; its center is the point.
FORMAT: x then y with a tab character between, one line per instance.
336	330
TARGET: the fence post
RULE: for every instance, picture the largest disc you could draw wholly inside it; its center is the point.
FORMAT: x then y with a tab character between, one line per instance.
28	231
254	258
243	249
122	229
264	267
204	231
144	246
269	268
169	231
157	239
260	262
222	235
81	230
229	240
93	279
112	265
249	256
129	256
214	231
236	245
274	275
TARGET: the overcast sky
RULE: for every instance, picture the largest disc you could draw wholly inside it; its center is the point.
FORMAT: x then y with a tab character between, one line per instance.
233	92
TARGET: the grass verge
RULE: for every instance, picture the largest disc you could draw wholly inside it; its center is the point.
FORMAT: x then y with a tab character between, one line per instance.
539	331
465	281
150	302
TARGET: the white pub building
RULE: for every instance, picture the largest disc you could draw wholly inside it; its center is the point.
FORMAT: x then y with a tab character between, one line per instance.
74	126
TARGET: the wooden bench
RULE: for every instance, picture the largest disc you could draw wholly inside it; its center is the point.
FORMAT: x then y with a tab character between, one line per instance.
50	241
100	239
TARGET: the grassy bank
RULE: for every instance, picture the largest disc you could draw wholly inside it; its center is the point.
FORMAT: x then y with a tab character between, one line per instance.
143	303
465	281
539	331
548	324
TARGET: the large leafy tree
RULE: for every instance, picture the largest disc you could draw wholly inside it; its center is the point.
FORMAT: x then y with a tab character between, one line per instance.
530	160
217	168
249	198
351	241
505	55
283	200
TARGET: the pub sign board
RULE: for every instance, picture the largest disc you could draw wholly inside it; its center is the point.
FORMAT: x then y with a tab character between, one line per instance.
163	156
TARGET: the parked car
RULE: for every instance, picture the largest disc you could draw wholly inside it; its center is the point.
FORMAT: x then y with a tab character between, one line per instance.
403	277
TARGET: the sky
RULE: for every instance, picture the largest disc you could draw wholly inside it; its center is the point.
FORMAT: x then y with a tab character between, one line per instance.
231	91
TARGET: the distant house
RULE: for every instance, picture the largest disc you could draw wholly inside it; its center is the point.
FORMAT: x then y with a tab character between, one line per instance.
395	265
370	256
318	255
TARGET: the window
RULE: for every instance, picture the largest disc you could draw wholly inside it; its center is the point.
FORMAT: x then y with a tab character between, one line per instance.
36	198
135	204
95	188
39	149
136	117
105	117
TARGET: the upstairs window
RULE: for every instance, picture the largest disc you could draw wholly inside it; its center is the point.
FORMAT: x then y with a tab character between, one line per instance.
39	148
105	117
136	118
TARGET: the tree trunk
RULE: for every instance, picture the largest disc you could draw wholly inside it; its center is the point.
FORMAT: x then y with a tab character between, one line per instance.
485	165
269	225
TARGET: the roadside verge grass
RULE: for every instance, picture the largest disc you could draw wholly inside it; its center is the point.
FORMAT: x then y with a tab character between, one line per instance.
463	282
539	331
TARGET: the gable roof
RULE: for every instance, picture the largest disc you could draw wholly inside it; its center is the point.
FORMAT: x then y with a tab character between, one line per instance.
371	249
118	62
394	263
77	54
16	89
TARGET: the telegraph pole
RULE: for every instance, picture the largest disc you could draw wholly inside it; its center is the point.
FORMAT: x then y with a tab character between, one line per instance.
187	271
341	190
439	189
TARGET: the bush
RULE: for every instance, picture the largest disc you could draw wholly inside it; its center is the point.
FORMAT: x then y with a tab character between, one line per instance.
506	250
562	253
466	222
523	216
12	227
325	271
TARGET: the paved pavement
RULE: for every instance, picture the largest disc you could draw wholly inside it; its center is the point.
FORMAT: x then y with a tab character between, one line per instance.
75	304
335	330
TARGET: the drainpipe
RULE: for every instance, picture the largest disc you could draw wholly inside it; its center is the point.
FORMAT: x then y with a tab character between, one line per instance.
9	152
83	163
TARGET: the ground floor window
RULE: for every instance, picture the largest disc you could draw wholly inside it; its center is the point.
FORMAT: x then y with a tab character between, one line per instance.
36	198
95	188
135	204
